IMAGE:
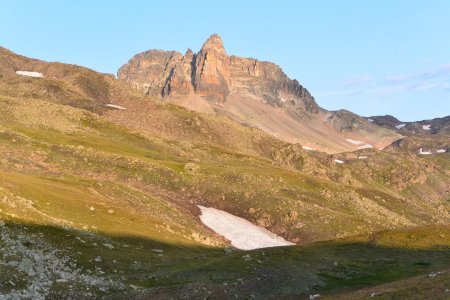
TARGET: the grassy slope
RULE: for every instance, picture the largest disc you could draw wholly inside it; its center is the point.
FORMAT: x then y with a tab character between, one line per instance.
53	177
434	285
65	166
91	149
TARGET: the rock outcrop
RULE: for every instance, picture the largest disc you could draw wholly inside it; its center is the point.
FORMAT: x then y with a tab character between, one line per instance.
345	121
214	75
211	77
252	92
440	126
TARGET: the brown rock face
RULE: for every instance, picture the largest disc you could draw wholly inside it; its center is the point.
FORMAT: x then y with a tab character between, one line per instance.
151	70
179	80
212	70
213	75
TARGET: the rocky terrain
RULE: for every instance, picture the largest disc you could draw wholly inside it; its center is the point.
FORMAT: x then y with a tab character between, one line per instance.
427	137
252	92
434	126
100	188
212	74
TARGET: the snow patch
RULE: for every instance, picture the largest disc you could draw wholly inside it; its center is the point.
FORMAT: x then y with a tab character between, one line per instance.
441	150
425	152
426	127
115	106
366	146
370	120
362	157
243	234
354	142
307	148
400	126
30	74
338	161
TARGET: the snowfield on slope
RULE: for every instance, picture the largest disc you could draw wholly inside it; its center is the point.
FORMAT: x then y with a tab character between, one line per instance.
30	74
243	234
354	142
366	146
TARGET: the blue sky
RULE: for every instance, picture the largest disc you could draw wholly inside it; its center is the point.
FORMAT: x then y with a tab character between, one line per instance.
371	57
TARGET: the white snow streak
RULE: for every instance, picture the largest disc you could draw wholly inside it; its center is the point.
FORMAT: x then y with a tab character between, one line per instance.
307	148
354	142
30	74
115	106
366	146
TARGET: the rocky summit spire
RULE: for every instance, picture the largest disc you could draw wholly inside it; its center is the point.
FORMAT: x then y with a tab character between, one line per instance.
212	70
214	43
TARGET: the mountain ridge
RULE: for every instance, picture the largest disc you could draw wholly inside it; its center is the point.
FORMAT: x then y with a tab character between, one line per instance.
252	92
208	72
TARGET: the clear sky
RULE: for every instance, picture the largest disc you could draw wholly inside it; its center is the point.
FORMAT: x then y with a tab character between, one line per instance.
371	57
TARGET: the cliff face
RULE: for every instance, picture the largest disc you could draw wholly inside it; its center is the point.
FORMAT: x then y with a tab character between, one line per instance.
214	75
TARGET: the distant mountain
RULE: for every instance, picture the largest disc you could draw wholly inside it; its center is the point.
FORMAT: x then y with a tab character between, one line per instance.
425	137
433	126
251	92
214	75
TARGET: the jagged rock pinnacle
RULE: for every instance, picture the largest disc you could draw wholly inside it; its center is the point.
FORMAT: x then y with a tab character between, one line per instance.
214	75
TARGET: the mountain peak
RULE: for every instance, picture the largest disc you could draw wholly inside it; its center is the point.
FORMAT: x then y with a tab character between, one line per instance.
212	76
215	43
215	76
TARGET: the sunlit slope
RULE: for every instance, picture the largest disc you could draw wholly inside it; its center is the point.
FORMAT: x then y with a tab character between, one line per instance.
301	197
112	197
